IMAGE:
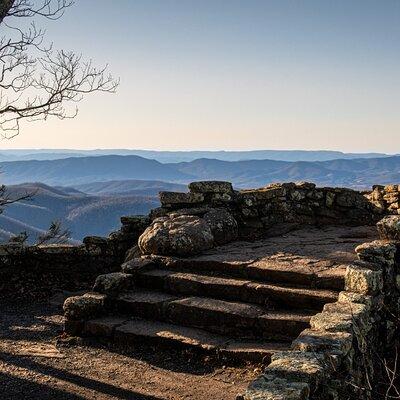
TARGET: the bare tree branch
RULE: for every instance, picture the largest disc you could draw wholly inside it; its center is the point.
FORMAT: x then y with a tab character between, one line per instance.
6	198
37	82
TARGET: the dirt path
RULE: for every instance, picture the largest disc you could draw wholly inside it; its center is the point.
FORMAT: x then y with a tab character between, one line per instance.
34	366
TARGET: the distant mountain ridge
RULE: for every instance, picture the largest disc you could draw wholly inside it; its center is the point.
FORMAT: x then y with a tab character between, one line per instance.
186	156
129	187
76	171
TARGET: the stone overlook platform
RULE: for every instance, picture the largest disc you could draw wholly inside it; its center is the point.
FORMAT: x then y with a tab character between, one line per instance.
268	276
241	300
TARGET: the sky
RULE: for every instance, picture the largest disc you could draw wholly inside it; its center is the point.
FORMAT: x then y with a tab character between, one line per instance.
232	75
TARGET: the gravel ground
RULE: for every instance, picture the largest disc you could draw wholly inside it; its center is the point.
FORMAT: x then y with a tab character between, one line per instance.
36	362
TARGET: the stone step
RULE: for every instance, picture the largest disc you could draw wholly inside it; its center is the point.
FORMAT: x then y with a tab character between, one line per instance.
158	333
236	319
272	295
297	271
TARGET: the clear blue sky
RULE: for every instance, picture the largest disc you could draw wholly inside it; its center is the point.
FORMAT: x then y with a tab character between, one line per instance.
233	75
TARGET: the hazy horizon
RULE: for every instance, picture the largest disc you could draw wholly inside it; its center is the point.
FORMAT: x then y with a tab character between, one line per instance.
166	150
232	75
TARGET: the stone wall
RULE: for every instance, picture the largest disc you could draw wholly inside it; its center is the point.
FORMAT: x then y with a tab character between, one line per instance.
37	270
386	198
257	211
340	357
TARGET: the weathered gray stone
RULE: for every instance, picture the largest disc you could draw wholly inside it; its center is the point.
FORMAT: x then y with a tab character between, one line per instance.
389	227
95	240
359	313
87	306
305	185
174	198
316	341
330	198
352	297
136	264
132	253
222	198
378	252
211	187
223	226
332	322
298	195
299	366
363	280
270	387
182	235
113	283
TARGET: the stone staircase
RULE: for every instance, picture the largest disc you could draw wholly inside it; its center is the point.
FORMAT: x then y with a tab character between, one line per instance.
242	301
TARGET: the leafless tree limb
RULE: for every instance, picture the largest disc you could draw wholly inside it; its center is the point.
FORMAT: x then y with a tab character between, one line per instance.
36	81
6	198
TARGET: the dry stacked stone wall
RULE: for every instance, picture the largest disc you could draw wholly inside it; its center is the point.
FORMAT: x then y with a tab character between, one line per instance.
386	198
37	270
341	355
260	211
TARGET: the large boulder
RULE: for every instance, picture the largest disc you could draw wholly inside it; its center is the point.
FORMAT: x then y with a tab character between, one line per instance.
180	235
223	226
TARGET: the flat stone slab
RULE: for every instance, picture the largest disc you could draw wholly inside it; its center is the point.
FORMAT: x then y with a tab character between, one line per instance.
216	315
236	289
283	325
103	327
166	334
311	256
144	303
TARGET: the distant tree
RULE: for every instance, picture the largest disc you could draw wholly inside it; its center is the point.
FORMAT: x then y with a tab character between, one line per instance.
7	198
55	234
36	81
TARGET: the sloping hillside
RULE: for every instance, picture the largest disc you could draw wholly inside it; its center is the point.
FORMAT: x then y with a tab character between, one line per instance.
81	213
130	187
357	173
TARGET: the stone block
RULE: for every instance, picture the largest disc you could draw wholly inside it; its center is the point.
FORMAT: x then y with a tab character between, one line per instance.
113	283
377	252
330	198
391	188
211	187
137	264
176	198
332	322
298	195
83	307
305	185
222	198
270	387
316	341
299	366
389	228
352	297
363	280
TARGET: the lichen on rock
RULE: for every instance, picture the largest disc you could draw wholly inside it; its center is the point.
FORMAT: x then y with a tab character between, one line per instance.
181	235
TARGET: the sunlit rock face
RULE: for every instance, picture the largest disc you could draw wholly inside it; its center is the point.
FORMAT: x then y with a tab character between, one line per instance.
181	235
